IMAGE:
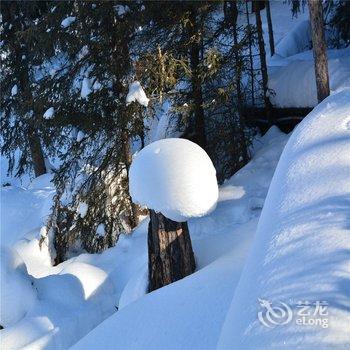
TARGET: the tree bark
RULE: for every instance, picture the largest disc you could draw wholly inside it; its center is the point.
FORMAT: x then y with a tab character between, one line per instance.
197	94
262	54
251	65
170	254
134	219
238	78
35	148
36	153
270	29
319	49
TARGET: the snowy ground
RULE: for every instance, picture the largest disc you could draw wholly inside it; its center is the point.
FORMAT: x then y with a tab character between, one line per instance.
292	78
300	254
77	295
291	69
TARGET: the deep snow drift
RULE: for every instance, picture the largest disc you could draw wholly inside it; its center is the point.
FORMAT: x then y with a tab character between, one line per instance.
77	295
17	292
293	78
301	250
175	177
292	72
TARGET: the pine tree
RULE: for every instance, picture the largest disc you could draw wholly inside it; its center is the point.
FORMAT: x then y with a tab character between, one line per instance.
87	83
20	103
340	21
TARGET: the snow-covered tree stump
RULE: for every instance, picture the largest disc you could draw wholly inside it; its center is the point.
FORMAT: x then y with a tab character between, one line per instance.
176	180
170	254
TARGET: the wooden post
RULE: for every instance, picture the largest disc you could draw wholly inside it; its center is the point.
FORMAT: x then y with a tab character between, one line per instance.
319	49
170	254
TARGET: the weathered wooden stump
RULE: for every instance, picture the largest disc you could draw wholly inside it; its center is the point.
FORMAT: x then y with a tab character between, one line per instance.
170	254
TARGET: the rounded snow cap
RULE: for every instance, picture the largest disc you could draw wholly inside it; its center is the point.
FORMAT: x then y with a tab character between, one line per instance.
175	177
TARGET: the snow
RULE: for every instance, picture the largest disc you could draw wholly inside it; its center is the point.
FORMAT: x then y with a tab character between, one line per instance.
121	9
136	93
167	127
14	90
189	314
24	209
67	22
293	78
83	209
49	114
296	251
77	295
291	69
175	177
80	136
300	252
85	88
101	230
17	295
295	41
97	85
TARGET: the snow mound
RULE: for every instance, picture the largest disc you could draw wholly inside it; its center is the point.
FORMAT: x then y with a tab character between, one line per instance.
67	22
294	83
49	113
17	293
136	93
300	255
295	41
85	88
80	136
14	90
175	177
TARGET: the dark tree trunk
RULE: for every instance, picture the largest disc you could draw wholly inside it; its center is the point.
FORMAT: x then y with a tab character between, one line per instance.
238	78
170	254
197	95
262	54
269	25
36	153
319	49
134	217
251	65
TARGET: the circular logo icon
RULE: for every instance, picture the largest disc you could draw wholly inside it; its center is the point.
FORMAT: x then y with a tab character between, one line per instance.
273	316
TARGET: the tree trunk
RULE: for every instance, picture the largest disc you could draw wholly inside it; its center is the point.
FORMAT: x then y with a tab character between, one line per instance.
197	94
134	219
269	25
36	154
238	78
319	49
170	254
251	65
262	54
